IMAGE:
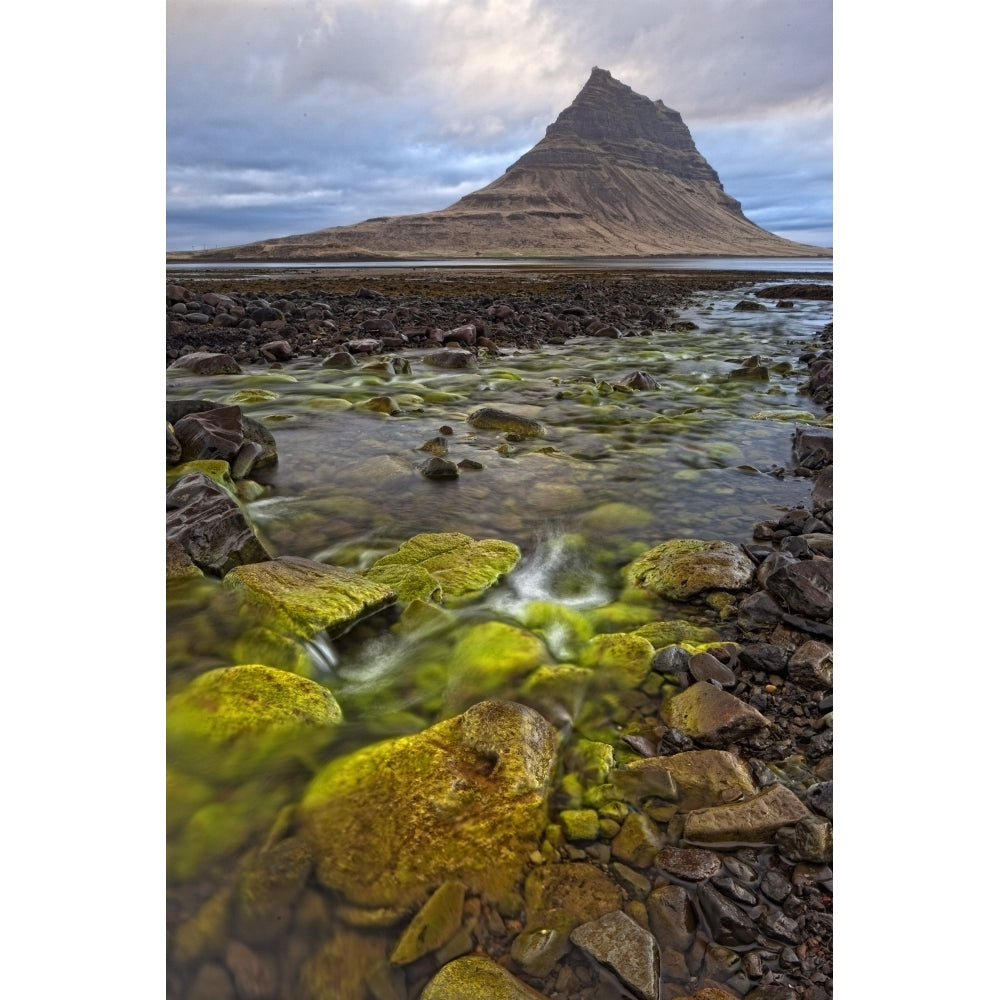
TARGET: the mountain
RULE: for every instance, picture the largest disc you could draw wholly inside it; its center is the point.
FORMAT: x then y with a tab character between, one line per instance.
615	175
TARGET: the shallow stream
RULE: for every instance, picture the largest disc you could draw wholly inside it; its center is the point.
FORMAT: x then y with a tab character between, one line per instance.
705	455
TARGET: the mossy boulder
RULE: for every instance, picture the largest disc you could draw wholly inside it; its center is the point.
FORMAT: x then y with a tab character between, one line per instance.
465	799
213	837
303	597
492	653
232	721
684	567
445	566
624	656
476	977
677	631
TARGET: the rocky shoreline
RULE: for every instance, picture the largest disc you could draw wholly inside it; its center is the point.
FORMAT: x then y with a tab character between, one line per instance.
694	859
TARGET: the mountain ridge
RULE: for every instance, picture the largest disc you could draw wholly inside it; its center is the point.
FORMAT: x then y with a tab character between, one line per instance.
616	174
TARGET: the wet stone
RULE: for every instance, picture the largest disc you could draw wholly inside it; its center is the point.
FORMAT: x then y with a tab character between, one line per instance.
710	716
255	975
811	839
579	889
819	797
706	667
756	819
778	925
740	870
638	841
671	917
727	923
212	982
720	963
691	864
734	890
439	468
775	886
476	977
671	660
618	943
811	665
437	921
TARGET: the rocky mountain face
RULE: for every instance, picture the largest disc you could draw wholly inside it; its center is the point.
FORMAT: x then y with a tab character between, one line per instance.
615	175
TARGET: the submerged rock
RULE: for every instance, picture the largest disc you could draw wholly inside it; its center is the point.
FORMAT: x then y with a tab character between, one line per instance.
684	567
438	920
304	597
640	380
231	721
490	419
465	799
438	468
577	890
445	566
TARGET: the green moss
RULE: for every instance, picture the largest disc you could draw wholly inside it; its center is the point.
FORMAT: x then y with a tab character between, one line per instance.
304	597
247	396
273	649
437	921
676	631
621	655
233	721
217	831
463	800
461	566
215	469
684	567
580	824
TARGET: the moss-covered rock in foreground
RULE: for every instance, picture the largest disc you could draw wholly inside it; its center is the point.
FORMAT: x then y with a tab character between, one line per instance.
684	567
304	597
476	977
445	566
465	799
230	722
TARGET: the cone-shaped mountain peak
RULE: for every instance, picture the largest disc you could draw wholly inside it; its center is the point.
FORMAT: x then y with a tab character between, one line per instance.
616	174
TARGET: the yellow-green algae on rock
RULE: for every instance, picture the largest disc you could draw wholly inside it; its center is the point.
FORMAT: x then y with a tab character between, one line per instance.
231	721
464	799
445	566
305	597
476	977
620	655
683	567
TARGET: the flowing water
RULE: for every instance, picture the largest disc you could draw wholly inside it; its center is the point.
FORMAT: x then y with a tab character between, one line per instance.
618	472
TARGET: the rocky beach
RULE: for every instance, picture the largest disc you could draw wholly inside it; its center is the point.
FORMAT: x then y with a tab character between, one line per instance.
464	698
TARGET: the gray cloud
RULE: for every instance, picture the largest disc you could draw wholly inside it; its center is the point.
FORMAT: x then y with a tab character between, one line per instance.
291	116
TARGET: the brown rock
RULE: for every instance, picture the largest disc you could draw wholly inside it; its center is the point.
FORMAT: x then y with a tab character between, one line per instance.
711	717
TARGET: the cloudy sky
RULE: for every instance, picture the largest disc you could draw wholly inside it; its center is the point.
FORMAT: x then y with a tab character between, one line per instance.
287	116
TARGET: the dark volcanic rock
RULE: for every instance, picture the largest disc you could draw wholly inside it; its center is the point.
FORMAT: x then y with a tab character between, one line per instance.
210	526
206	363
796	291
805	587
